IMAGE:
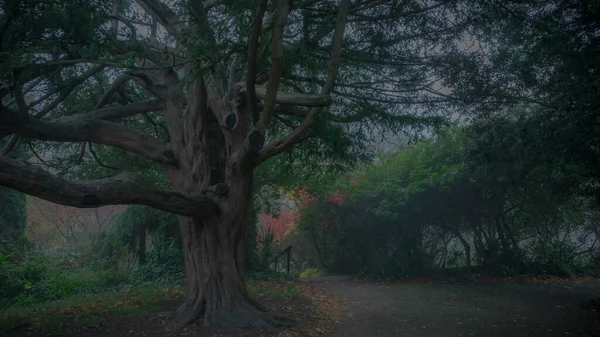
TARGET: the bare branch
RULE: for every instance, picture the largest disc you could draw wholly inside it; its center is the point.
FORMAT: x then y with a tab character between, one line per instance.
298	112
117	84
336	52
81	154
12	141
55	63
20	99
28	89
291	98
281	13
198	10
146	82
82	130
36	154
163	14
114	112
122	189
100	163
127	23
208	4
66	90
252	50
231	83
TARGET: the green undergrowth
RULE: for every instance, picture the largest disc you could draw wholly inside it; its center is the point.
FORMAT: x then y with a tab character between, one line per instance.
274	290
269	275
133	301
138	300
311	272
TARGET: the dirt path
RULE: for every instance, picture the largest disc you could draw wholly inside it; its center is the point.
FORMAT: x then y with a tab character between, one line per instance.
445	310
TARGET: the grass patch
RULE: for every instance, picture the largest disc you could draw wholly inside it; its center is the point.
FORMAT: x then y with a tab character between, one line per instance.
135	301
269	275
274	290
310	272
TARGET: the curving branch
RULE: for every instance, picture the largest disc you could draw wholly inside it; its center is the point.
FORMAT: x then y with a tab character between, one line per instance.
145	81
127	23
115	112
276	71
65	91
251	66
88	130
334	63
292	98
116	85
122	189
10	144
98	161
20	99
163	14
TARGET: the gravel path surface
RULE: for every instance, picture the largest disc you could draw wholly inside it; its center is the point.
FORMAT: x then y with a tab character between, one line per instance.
440	310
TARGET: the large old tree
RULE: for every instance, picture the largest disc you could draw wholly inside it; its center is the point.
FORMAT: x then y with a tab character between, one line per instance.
224	86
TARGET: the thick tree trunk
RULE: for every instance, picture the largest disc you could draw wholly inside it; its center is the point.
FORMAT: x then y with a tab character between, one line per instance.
214	247
214	268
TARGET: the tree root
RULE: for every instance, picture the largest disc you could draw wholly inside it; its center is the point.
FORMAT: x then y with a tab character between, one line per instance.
251	315
186	315
258	305
235	319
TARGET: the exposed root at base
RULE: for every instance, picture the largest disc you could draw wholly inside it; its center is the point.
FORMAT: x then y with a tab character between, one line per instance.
250	319
184	317
258	305
253	316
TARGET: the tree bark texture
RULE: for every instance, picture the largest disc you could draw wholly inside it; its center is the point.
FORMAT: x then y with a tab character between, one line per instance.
209	154
212	151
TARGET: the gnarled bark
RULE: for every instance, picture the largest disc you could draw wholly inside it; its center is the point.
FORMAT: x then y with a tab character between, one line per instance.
213	149
210	154
214	269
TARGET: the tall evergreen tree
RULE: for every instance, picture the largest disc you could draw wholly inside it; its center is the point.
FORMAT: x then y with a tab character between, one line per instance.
207	92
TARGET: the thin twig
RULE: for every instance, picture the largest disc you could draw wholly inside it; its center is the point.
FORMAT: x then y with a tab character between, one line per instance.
12	141
36	154
81	153
98	159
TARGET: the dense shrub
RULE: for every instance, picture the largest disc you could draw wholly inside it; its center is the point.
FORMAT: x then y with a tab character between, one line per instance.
164	263
18	276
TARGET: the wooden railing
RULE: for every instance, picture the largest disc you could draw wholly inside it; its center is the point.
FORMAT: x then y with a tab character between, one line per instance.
288	252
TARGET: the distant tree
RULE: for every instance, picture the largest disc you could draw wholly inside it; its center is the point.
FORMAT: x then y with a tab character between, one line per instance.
538	66
474	185
13	217
13	212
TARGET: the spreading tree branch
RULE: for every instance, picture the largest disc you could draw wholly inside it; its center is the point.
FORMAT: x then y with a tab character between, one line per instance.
163	14
88	130
114	112
252	51
20	99
116	85
334	63
98	161
66	91
122	189
232	79
281	13
127	23
146	82
292	98
12	141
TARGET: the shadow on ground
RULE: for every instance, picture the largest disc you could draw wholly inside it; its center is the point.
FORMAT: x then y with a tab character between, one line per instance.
449	310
